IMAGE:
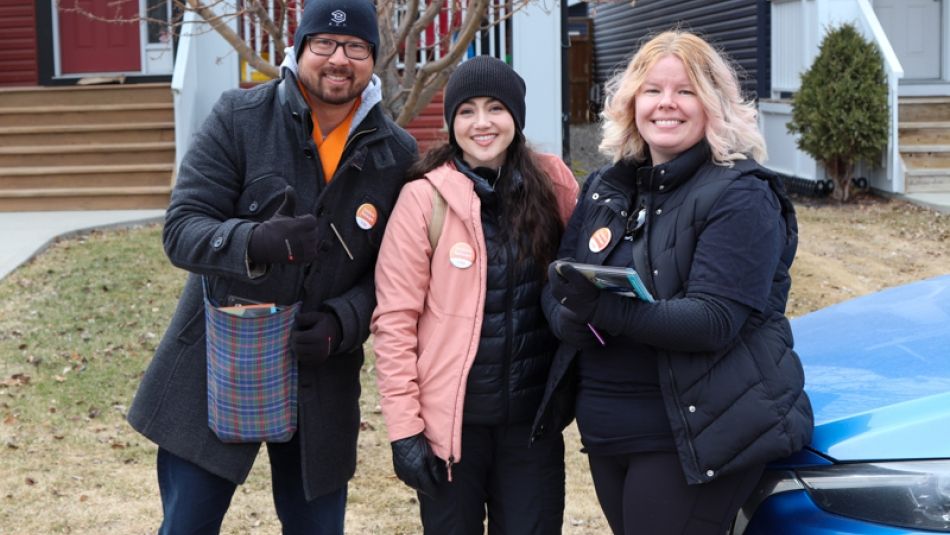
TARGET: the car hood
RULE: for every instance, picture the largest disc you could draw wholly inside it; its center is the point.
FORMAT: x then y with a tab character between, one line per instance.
877	371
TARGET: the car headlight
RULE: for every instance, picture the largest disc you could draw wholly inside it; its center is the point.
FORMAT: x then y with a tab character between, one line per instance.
913	494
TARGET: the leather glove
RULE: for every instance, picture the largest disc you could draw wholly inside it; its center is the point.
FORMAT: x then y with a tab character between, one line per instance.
574	291
316	336
284	238
572	330
415	465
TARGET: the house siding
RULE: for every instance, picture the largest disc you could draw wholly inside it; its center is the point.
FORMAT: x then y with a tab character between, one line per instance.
738	27
17	43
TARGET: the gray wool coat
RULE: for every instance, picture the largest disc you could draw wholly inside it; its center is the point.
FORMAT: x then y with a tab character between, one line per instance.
254	144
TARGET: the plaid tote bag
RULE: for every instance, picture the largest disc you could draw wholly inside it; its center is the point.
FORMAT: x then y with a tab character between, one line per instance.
252	375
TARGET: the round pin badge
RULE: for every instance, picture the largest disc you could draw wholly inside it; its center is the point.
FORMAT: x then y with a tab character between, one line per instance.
599	240
461	255
366	216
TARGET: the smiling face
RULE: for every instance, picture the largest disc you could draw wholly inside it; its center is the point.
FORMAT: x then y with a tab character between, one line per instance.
668	113
334	79
483	129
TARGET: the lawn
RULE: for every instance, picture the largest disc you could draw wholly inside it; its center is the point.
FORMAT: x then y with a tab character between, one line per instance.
80	322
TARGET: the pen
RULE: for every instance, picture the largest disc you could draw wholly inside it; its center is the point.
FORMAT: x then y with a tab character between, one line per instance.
597	334
343	243
290	252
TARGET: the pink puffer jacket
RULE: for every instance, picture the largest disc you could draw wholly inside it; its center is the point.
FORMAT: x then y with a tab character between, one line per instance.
429	306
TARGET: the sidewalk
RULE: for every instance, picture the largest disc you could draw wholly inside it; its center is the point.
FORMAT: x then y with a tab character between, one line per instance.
23	235
935	201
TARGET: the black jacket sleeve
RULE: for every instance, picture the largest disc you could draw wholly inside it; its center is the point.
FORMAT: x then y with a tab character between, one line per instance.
202	233
695	323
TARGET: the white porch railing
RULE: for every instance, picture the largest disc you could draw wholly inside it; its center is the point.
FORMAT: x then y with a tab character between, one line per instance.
434	41
798	27
200	78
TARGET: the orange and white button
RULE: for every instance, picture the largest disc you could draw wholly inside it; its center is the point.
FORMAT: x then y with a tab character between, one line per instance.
366	216
461	255
599	240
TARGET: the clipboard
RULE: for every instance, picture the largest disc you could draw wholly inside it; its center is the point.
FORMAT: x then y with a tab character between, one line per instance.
621	280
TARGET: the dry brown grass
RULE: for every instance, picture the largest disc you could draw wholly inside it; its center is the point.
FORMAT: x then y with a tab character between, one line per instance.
70	464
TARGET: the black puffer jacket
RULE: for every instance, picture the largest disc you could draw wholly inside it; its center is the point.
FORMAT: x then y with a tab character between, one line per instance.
515	350
728	409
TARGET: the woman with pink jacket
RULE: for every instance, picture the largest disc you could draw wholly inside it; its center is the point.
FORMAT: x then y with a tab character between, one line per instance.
462	347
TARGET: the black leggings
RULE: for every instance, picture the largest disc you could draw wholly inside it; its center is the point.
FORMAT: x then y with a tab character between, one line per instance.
647	494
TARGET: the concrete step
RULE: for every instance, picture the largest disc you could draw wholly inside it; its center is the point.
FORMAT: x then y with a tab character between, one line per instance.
121	198
87	134
927	180
72	155
19	97
147	112
924	109
86	176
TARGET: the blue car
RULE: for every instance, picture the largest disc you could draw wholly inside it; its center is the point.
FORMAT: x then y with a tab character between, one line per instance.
877	370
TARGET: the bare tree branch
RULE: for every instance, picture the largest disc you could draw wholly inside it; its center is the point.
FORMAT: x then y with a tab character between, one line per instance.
413	60
247	53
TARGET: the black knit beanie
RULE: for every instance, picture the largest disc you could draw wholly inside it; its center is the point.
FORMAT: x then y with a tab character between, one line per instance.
344	17
484	76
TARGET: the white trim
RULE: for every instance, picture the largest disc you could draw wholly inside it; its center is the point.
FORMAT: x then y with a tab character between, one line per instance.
143	36
915	88
57	60
944	40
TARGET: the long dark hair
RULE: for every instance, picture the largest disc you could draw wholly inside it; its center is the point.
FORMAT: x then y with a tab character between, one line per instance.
530	210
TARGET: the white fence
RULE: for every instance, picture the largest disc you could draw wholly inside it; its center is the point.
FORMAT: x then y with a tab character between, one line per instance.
495	39
798	27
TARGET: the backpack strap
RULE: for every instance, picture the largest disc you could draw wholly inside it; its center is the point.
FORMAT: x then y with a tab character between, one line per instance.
438	217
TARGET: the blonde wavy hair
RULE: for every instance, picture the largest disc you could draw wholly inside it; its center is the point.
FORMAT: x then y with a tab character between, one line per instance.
731	127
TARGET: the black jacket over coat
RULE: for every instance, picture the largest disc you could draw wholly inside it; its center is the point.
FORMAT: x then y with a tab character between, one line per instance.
254	144
732	408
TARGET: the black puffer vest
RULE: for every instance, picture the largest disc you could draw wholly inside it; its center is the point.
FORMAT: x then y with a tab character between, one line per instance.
515	348
757	382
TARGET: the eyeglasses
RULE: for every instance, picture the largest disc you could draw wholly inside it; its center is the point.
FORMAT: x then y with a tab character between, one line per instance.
322	46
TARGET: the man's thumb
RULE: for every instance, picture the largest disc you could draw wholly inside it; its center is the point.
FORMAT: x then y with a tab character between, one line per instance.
289	206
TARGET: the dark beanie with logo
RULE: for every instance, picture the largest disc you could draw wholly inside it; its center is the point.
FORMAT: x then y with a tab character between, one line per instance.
343	17
484	76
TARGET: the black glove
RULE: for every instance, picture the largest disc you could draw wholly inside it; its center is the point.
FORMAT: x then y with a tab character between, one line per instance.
284	238
415	465
574	291
572	330
316	336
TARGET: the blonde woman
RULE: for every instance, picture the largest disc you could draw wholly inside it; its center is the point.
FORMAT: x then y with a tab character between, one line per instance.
686	398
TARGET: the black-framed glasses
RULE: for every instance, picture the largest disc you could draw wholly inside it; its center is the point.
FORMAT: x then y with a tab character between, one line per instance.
322	46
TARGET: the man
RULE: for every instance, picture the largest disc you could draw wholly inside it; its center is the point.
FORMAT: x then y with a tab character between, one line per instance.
282	197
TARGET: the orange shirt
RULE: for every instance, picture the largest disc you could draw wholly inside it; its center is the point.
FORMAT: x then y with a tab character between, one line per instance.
331	146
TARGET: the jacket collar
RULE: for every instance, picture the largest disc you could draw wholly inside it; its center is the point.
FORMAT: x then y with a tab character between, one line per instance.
670	175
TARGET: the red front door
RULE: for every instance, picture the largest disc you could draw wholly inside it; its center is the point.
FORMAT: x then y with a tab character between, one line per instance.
95	45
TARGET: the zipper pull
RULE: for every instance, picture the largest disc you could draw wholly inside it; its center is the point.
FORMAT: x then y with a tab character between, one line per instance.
448	467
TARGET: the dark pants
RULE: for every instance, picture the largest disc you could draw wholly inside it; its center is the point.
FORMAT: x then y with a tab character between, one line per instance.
194	500
646	493
522	488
